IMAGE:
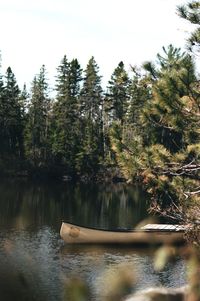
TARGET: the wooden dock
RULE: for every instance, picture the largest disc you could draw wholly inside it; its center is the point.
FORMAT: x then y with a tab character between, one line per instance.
165	227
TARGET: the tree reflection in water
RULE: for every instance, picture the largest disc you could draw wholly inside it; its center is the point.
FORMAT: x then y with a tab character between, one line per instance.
24	203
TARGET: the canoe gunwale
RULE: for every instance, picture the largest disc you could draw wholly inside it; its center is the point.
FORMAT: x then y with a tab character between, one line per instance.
122	230
72	233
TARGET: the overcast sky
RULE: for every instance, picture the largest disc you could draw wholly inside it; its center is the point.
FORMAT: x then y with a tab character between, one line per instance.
36	32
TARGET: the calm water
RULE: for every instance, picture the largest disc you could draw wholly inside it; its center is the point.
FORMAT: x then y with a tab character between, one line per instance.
34	262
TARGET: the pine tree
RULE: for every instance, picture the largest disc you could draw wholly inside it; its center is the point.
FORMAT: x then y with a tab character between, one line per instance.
12	115
66	130
37	129
91	101
118	94
2	119
23	100
140	95
168	162
191	13
166	113
116	106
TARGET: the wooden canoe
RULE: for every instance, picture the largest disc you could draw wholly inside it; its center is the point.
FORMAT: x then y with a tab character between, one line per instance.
149	234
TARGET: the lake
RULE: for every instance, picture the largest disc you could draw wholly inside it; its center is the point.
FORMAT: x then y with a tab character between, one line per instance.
35	264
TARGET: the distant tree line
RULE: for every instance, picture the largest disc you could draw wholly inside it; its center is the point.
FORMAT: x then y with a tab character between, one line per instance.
65	135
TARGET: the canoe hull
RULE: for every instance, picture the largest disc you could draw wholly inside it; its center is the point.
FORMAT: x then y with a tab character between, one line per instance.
73	234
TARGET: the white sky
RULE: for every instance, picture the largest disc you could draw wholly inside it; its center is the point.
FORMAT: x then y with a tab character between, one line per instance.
36	32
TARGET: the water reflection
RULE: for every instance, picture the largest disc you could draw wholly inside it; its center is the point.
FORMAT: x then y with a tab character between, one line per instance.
24	204
29	264
94	263
35	266
34	262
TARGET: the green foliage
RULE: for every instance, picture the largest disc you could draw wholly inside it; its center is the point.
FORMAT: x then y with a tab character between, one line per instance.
163	255
37	125
193	151
161	146
11	122
65	119
91	121
76	290
191	13
118	94
167	113
127	148
157	155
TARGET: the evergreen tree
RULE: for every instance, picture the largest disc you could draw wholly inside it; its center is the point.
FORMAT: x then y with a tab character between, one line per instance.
168	161
66	115
59	141
12	116
118	94
166	113
37	129
140	95
191	13
23	100
117	106
2	119
91	101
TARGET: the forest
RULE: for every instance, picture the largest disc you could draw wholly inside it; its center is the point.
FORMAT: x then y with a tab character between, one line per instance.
144	126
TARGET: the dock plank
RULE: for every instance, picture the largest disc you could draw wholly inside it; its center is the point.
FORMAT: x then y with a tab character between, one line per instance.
164	227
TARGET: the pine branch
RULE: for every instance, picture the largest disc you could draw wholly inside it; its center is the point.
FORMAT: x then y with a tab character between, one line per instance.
172	169
173	212
160	124
189	193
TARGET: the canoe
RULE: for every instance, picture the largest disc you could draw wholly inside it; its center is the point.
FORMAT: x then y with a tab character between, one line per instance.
148	234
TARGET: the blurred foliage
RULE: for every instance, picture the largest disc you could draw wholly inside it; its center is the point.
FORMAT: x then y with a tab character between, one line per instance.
76	290
121	282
